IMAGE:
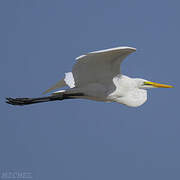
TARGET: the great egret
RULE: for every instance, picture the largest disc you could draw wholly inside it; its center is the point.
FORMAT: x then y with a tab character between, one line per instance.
96	76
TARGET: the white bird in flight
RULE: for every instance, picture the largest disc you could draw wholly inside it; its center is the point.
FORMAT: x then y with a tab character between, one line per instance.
97	76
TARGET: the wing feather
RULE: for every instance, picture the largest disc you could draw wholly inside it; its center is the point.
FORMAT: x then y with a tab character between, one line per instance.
99	66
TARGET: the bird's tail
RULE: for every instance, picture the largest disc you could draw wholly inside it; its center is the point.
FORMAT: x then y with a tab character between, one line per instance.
26	101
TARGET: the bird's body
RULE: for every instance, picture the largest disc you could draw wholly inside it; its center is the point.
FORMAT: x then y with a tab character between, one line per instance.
97	76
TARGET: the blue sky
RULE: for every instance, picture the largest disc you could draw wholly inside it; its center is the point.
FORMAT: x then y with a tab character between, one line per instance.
80	139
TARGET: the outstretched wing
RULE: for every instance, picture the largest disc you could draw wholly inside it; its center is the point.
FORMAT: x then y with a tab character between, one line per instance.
99	66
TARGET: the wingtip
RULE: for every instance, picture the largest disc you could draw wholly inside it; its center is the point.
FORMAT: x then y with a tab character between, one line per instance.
132	49
59	84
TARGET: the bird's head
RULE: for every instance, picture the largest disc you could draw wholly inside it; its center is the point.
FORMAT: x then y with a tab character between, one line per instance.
145	84
132	92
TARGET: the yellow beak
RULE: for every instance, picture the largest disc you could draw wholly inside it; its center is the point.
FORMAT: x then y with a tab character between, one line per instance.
157	85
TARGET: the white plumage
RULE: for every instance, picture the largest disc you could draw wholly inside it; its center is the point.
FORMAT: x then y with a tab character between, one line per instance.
98	66
97	76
